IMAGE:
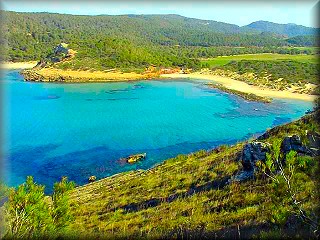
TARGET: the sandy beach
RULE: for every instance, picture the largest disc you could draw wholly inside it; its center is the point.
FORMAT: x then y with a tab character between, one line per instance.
244	87
18	65
54	74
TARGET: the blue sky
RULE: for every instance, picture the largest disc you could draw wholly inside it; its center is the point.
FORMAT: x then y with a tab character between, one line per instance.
236	12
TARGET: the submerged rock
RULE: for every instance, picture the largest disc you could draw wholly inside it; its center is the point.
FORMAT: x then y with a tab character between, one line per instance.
92	178
136	157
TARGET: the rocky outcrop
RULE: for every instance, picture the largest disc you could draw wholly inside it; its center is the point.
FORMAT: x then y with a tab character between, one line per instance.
314	142
252	152
31	75
61	48
255	151
294	143
242	176
40	64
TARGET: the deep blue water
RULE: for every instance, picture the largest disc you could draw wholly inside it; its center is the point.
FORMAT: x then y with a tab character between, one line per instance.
78	130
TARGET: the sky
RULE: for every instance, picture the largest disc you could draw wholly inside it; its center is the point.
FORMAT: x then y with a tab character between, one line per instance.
302	12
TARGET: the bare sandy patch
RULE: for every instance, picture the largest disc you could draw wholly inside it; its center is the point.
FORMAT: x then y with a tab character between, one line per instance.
18	65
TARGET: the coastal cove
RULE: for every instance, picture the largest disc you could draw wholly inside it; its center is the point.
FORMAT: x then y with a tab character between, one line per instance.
215	80
79	130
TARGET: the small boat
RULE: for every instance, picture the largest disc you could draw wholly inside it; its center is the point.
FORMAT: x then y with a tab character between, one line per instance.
135	158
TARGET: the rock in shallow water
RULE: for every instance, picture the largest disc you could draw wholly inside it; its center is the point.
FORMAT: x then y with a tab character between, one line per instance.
92	179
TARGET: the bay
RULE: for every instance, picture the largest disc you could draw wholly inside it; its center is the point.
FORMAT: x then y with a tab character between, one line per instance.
78	130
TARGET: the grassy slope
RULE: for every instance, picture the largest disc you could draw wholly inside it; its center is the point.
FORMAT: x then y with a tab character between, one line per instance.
185	195
223	60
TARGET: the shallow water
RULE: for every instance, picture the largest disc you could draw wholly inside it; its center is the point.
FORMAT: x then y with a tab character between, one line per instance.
78	130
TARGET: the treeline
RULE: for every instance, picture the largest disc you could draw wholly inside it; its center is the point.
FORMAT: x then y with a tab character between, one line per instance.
129	41
290	29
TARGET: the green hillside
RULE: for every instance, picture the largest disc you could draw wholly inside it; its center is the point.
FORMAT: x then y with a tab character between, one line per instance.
130	41
290	29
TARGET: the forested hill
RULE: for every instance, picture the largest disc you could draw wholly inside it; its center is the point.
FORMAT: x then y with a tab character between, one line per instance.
130	40
290	29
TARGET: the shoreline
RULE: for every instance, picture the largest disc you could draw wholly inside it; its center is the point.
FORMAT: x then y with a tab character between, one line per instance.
227	84
55	75
240	86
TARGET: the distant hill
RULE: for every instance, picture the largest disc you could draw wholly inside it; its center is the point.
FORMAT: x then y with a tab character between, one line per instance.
131	41
290	29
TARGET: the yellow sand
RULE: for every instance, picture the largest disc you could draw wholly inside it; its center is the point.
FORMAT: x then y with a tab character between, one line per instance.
18	65
87	76
244	87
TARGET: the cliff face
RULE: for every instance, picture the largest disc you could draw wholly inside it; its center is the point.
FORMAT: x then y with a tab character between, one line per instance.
217	193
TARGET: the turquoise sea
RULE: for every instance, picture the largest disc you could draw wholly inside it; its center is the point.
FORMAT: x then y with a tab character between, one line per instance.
78	130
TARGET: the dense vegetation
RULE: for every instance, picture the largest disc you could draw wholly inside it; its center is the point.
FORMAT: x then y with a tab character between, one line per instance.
289	71
290	30
303	40
131	41
190	197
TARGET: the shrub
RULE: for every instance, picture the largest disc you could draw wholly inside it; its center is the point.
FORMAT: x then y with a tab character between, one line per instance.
31	214
287	184
28	214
